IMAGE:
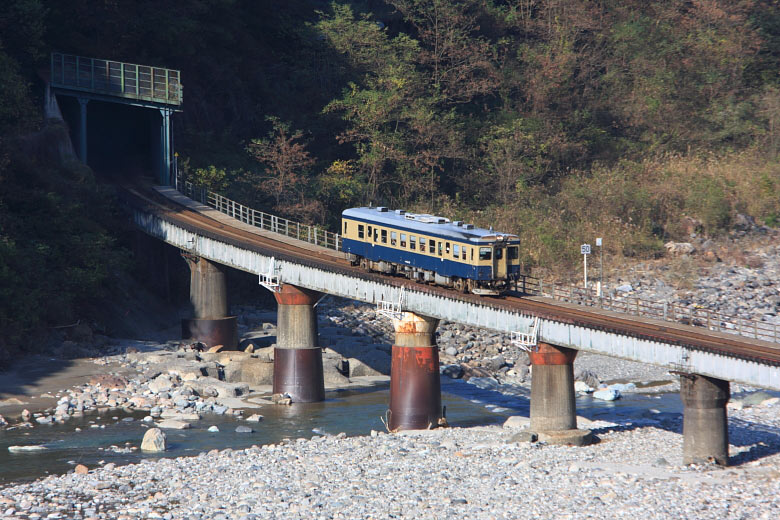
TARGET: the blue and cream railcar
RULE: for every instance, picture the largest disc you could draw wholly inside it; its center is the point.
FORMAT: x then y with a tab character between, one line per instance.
432	249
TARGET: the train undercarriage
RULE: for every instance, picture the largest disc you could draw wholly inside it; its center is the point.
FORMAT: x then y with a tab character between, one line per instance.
462	285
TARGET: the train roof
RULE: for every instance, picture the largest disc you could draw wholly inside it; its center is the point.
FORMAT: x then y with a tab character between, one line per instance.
426	224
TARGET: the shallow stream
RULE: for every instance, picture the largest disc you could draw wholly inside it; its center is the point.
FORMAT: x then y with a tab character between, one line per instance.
351	412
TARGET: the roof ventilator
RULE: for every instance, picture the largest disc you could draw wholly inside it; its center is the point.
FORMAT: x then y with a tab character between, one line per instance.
527	341
390	309
270	279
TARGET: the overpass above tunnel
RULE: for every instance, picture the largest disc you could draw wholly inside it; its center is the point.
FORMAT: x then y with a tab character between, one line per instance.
120	114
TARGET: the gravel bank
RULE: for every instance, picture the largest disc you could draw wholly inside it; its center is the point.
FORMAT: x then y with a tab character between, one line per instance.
447	473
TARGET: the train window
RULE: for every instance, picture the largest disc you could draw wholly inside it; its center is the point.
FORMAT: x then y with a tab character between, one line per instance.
456	250
499	253
345	228
472	253
448	248
412	242
440	248
422	244
393	238
376	234
361	231
432	247
403	239
464	253
384	236
484	253
513	253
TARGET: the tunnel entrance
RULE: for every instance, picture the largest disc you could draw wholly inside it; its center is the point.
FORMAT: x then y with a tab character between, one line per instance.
119	114
122	140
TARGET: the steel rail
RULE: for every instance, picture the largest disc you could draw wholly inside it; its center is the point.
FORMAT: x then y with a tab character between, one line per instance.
592	317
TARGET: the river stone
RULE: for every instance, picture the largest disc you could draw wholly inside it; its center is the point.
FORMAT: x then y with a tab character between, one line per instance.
606	394
244	429
209	386
253	371
517	422
370	363
108	381
756	398
179	416
588	377
567	437
154	440
453	371
81	469
524	436
581	386
172	424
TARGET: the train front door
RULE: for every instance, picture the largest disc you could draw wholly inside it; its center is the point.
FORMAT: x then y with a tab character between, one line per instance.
499	261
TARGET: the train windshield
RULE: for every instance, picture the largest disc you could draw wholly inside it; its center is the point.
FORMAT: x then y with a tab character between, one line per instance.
513	252
485	253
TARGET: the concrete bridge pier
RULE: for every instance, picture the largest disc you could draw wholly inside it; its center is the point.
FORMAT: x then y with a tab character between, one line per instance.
705	424
297	356
415	388
553	410
83	102
208	296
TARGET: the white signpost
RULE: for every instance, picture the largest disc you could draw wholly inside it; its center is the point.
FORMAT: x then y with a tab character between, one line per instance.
601	265
585	251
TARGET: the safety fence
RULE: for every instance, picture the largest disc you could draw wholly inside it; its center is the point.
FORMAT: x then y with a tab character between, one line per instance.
116	78
289	228
688	315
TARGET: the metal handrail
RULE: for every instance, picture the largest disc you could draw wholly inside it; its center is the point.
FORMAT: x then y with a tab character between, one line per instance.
116	78
275	224
670	312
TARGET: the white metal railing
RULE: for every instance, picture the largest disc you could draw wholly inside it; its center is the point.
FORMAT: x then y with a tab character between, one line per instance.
688	315
527	341
392	309
270	279
275	224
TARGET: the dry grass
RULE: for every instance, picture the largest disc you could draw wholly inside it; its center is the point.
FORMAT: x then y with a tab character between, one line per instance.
637	206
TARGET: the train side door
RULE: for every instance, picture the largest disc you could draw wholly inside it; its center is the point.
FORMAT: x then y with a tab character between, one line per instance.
499	261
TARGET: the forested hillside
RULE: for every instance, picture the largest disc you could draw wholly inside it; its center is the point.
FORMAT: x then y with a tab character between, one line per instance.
560	120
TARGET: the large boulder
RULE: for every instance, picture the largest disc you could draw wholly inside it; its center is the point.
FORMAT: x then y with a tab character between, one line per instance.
370	363
211	387
154	440
251	370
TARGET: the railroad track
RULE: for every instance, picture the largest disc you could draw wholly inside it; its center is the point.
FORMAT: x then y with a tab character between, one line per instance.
673	333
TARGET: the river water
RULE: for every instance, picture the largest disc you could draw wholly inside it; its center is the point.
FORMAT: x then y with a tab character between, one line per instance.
106	437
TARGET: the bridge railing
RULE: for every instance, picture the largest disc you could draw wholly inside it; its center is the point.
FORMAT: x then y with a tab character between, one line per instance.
275	224
688	315
115	78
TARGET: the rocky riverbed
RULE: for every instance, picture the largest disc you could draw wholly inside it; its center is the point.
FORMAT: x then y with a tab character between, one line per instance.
479	472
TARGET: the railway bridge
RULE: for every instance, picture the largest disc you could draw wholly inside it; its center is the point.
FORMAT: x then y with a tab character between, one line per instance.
301	263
